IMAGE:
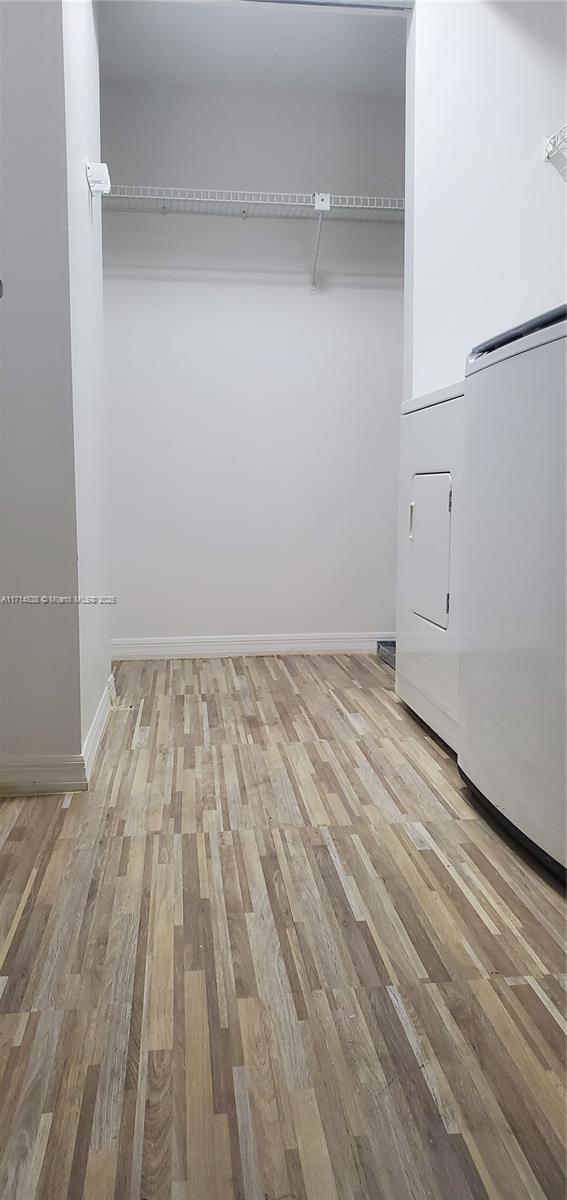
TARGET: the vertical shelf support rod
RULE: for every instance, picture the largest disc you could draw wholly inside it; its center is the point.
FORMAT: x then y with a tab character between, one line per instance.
321	204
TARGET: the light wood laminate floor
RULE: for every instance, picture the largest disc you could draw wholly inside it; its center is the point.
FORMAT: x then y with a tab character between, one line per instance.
274	954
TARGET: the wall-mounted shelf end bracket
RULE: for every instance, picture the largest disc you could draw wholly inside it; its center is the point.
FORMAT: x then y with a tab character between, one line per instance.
322	205
98	178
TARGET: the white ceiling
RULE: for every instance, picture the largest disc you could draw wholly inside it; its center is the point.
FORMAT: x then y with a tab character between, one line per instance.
222	43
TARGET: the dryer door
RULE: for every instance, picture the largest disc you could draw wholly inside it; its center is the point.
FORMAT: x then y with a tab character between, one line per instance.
430	536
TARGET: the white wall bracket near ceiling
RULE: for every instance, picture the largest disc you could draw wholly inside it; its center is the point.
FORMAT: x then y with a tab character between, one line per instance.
556	150
242	203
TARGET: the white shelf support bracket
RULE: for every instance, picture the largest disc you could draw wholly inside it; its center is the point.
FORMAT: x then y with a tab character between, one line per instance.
98	178
322	205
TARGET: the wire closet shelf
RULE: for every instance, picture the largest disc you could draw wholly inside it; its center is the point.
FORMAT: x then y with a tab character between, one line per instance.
212	202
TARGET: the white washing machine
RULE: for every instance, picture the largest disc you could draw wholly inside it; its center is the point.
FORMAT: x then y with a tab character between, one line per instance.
511	742
427	605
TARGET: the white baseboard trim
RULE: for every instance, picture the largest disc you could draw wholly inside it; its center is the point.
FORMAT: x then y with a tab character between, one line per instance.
238	645
40	776
36	776
98	726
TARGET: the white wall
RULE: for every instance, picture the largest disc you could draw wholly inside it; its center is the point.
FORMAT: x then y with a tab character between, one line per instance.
485	213
85	267
226	137
55	657
252	457
254	426
40	656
